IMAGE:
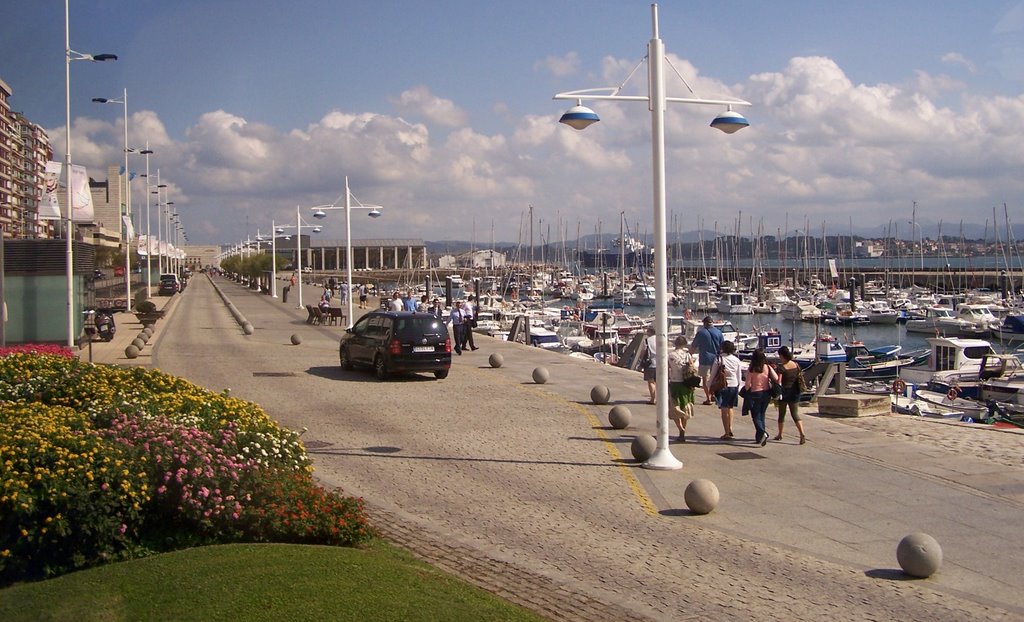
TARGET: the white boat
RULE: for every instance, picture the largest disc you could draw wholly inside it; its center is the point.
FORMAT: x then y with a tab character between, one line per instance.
641	296
941	321
980	315
952	361
879	312
801	311
733	303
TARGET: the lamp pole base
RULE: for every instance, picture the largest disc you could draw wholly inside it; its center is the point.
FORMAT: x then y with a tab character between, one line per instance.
662	460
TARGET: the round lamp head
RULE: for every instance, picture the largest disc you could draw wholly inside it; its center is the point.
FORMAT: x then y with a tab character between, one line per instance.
579	117
319	214
279	230
317	229
730	122
374	213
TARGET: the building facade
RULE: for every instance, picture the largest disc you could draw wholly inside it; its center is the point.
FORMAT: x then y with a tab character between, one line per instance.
24	152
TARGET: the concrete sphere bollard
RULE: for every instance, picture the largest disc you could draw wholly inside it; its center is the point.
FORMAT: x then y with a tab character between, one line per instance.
296	339
138	343
496	360
143	336
248	329
541	375
131	352
643	447
148	330
701	496
600	394
919	555
620	417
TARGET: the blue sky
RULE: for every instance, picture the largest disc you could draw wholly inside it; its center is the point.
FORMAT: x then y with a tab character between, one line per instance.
442	111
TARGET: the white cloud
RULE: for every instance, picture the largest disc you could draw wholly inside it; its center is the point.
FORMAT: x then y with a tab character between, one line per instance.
559	66
419	101
819	145
956	58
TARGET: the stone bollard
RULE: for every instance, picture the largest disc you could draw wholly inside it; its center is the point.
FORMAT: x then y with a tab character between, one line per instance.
541	375
296	339
496	360
138	343
919	555
600	394
620	417
643	447
131	352
248	329
144	336
701	496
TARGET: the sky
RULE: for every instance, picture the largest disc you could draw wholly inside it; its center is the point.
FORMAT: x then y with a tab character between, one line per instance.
442	112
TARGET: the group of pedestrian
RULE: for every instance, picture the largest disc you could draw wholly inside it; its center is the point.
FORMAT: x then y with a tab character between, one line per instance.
463	320
713	359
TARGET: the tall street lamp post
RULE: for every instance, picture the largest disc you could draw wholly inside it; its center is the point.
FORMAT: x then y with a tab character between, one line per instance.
375	212
69	251
149	239
580	117
127	198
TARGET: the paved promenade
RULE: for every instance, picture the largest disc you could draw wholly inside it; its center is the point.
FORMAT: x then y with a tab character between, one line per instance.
525	489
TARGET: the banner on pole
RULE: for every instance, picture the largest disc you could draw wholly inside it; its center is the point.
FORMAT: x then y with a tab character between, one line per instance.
49	206
81	198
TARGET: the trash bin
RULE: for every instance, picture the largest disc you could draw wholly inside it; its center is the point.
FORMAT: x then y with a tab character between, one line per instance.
284	292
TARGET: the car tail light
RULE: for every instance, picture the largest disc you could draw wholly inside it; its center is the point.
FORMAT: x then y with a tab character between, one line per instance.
448	345
395	346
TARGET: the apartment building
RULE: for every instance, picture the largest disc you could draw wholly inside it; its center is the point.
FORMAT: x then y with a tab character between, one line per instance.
24	151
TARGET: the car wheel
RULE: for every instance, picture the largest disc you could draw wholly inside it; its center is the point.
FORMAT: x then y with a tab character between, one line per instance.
380	368
441	374
346	359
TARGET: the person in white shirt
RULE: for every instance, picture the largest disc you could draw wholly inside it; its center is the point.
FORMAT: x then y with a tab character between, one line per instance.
468	313
728	396
396	303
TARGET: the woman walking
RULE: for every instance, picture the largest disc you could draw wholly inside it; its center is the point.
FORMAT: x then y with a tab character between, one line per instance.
792	387
727	397
760	375
680	367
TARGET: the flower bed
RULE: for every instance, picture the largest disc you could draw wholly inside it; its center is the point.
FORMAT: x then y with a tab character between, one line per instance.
104	463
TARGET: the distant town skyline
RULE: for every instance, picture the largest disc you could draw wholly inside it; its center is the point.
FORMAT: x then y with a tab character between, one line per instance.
443	113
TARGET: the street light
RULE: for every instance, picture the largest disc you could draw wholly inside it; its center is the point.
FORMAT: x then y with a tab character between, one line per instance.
149	235
374	212
128	196
69	252
580	117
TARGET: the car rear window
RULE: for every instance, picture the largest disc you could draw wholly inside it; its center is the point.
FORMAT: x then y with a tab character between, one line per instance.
408	327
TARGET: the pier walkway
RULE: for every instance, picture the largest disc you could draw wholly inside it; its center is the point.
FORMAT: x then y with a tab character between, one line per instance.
526	490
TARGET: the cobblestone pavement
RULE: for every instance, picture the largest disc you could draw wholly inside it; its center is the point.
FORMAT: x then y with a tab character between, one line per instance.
525	490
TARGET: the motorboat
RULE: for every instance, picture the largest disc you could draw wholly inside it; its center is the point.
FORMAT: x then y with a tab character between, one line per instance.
879	312
1010	331
641	296
939	320
952	362
878	363
980	315
733	303
801	311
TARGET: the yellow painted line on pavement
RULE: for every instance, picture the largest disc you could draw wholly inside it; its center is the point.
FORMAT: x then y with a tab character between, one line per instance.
634	484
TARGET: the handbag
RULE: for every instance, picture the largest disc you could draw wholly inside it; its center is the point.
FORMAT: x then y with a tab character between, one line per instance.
692	382
718	382
774	389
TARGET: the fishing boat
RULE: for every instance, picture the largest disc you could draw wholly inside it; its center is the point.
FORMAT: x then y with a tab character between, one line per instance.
952	362
879	363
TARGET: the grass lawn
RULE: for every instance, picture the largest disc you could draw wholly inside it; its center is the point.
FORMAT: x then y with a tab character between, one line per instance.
260	582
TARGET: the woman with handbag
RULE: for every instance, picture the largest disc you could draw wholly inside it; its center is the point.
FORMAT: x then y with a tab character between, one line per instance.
793	384
682	373
760	379
727	396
